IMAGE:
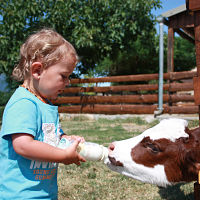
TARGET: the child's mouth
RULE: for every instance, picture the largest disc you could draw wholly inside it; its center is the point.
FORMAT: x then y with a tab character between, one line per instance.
60	91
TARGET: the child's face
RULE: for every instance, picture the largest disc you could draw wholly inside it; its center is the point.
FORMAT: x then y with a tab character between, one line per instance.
54	78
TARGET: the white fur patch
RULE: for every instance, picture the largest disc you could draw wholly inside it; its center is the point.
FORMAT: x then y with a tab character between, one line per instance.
171	129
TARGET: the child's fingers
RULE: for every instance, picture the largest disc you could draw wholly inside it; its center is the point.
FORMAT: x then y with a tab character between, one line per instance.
78	163
77	157
75	137
82	159
76	143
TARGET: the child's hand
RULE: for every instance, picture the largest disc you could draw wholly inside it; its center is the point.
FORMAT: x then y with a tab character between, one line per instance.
72	156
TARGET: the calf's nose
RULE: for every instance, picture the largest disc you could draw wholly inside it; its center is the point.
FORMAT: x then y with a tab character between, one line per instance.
111	147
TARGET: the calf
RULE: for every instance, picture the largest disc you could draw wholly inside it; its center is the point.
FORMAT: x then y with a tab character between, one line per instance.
165	154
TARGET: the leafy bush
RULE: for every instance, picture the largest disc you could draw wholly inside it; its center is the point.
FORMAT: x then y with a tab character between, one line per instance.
4	97
1	112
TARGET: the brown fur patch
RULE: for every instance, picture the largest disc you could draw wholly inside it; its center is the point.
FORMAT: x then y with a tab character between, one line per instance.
180	158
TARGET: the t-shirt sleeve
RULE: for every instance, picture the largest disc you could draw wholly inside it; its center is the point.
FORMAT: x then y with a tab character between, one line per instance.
20	117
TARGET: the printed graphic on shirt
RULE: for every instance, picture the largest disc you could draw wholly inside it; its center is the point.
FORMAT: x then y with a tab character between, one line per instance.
46	170
50	136
43	170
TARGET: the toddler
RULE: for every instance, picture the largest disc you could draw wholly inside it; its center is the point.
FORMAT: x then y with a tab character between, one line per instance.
30	131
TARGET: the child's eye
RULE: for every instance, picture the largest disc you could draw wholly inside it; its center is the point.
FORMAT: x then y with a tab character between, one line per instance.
64	77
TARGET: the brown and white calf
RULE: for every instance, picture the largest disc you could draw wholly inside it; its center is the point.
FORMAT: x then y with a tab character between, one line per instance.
165	154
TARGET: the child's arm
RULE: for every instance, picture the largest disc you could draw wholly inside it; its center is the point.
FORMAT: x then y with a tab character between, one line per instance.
25	145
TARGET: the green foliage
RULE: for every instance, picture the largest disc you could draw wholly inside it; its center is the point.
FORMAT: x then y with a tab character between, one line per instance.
4	97
97	29
1	112
184	55
143	57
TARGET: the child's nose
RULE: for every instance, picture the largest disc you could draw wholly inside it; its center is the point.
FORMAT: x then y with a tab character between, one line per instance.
67	82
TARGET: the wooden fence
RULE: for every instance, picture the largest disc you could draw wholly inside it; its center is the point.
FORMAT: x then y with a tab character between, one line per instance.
138	96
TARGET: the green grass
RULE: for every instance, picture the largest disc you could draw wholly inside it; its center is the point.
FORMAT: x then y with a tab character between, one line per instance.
103	131
94	181
193	124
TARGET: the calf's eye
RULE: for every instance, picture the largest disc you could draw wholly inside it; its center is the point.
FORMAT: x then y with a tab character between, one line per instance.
153	148
149	144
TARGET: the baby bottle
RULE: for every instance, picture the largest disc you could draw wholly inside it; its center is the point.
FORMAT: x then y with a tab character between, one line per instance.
89	150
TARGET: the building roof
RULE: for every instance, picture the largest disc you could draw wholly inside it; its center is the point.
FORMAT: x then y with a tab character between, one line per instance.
175	11
181	21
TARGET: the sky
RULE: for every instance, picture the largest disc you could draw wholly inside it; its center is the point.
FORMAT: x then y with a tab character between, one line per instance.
166	6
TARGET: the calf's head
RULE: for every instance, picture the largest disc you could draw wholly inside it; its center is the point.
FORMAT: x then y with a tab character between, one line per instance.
165	154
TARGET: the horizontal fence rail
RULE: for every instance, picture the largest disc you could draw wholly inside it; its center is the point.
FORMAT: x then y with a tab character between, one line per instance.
148	98
143	87
141	77
85	96
127	109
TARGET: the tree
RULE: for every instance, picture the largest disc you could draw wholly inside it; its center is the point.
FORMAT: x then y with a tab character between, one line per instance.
184	55
97	28
143	57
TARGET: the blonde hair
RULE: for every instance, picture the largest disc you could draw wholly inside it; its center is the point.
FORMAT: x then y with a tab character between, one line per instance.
45	46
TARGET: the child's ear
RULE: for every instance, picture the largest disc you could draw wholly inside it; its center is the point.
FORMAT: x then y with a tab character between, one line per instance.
36	70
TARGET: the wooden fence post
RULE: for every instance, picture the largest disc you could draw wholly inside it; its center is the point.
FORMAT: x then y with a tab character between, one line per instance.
197	83
197	188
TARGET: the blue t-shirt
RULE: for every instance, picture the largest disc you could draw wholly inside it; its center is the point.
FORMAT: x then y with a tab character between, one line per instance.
21	178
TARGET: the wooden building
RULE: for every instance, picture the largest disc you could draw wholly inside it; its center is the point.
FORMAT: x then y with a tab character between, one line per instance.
185	20
181	21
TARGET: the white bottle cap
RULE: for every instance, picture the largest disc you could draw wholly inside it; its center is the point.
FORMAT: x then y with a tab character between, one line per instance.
105	153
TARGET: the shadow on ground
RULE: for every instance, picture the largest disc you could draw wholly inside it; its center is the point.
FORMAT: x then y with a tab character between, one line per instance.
175	193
